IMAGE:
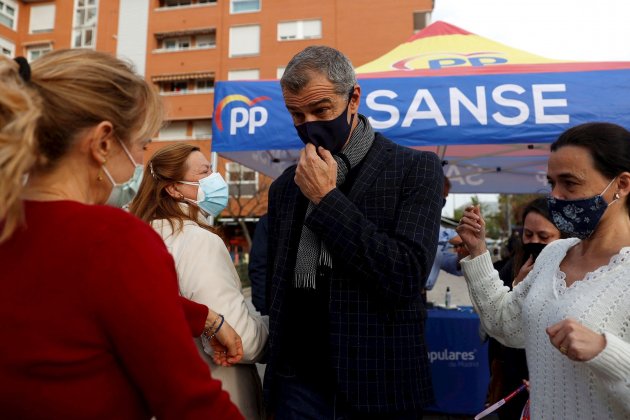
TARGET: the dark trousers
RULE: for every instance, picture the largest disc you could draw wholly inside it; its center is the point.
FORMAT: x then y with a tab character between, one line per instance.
298	399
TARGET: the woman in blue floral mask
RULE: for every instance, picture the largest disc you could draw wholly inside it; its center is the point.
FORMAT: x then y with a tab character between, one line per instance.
572	312
177	195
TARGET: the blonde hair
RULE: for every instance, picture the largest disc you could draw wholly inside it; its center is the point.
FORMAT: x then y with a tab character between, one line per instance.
69	91
166	167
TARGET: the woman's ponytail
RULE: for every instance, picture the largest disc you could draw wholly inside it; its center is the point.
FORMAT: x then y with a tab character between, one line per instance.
19	114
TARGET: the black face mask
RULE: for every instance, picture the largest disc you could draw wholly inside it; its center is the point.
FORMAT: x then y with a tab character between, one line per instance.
331	134
532	249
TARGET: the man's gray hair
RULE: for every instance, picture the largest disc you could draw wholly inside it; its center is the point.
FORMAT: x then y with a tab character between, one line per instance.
319	59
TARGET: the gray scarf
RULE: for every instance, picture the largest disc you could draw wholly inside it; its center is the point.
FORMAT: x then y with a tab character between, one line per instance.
311	251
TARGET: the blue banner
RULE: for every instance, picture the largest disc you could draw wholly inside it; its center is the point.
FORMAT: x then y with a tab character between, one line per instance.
459	361
421	111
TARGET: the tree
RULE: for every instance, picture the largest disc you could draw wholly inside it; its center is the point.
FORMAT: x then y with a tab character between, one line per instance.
500	224
248	195
513	205
493	225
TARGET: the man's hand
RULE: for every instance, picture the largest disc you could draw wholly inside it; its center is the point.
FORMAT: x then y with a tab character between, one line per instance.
316	173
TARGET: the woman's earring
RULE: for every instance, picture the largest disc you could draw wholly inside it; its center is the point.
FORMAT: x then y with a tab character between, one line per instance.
99	177
616	196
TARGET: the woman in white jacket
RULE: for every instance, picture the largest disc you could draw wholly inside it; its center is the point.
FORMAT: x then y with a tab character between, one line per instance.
572	311
177	193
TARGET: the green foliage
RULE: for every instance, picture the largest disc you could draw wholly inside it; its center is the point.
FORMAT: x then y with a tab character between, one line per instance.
243	274
493	227
497	225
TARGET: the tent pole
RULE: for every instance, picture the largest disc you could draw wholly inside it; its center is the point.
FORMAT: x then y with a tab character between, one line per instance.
441	152
508	214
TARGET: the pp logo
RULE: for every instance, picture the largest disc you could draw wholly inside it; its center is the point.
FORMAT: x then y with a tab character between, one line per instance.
249	116
436	61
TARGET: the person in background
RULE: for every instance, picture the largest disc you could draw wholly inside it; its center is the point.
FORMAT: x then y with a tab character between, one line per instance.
352	235
459	247
258	266
508	366
178	194
509	249
571	312
445	258
96	329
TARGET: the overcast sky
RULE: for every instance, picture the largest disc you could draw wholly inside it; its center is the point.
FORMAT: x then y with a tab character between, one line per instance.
563	29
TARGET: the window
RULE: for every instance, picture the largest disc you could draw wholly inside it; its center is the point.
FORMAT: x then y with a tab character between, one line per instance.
420	20
205	38
176	43
36	51
204	85
84	33
279	72
175	3
174	87
242	181
244	40
299	29
244	6
206	41
244	74
180	3
42	18
8	11
175	130
6	47
184	84
202	129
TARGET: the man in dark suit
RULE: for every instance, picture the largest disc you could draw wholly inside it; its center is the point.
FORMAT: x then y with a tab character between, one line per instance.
352	236
257	267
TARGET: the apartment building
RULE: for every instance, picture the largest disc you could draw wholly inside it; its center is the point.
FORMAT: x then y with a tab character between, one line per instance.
185	46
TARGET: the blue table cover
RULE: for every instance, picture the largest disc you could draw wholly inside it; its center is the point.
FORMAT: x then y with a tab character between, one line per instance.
459	361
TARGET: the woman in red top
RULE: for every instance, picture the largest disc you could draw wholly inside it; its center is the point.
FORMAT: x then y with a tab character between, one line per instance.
92	323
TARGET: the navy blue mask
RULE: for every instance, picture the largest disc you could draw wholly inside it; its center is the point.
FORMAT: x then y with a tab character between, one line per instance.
578	218
331	134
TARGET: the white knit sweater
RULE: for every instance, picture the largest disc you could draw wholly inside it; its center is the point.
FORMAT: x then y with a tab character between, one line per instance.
561	388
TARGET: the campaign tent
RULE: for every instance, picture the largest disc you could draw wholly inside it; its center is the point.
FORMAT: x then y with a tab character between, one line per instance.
489	111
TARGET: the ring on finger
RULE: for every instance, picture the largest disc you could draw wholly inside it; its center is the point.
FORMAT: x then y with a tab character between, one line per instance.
563	350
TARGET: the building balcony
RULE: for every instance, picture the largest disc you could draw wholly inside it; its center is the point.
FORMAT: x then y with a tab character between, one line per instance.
167	19
166	61
188	105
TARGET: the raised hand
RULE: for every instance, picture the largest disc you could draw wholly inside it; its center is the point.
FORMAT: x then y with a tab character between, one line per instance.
472	230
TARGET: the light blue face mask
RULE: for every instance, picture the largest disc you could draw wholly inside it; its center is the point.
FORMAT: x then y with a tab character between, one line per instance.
123	193
212	195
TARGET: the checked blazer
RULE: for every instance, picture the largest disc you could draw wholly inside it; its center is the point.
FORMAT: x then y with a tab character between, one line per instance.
382	237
